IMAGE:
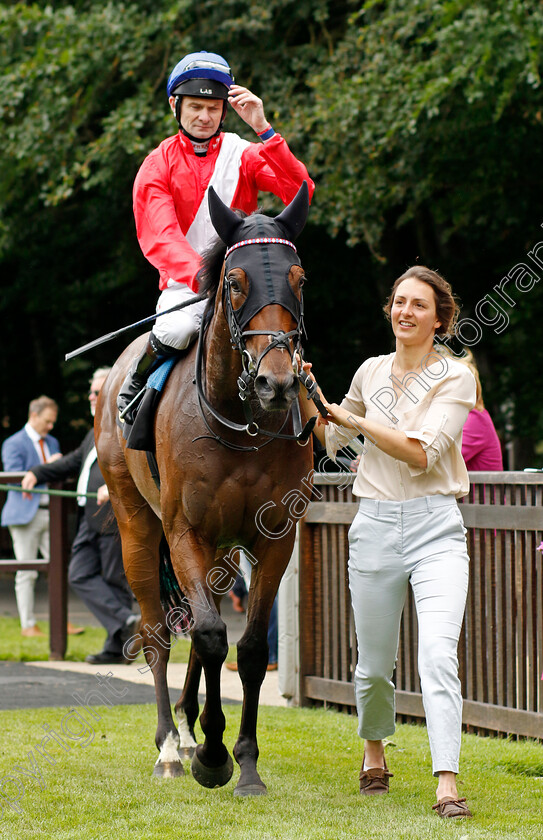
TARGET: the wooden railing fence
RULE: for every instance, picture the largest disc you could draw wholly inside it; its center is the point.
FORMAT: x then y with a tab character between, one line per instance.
501	647
56	568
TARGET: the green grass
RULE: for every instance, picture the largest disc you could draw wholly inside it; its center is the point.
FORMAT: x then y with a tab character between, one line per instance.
309	759
17	648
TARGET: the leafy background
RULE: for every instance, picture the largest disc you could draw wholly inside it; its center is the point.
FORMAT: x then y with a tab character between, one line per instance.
420	122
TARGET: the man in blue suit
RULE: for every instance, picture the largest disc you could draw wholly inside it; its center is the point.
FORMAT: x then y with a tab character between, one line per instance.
96	569
28	521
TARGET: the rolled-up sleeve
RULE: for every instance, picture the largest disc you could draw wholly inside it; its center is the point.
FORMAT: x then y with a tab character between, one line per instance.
441	426
337	437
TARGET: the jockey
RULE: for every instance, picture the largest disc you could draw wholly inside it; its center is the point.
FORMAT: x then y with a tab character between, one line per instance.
170	194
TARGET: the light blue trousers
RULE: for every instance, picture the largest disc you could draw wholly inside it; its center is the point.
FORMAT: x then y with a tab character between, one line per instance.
421	541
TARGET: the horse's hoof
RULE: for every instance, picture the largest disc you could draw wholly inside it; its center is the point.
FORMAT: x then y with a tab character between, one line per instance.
168	770
212	777
185	752
250	790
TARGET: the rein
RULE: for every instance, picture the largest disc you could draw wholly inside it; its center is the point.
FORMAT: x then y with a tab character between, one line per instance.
279	339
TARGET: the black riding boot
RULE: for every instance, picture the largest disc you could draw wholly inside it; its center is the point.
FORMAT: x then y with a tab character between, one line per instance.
136	380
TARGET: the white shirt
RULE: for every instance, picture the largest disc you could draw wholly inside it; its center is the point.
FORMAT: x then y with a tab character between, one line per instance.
83	480
35	438
431	407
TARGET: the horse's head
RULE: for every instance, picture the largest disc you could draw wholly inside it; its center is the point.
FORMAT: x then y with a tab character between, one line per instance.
262	295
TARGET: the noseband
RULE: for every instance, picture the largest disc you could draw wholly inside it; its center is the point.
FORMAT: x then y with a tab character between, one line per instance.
291	341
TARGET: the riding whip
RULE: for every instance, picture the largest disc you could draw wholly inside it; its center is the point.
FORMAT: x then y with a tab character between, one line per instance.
111	335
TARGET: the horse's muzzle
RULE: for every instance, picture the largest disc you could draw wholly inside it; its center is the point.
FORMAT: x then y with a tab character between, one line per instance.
276	393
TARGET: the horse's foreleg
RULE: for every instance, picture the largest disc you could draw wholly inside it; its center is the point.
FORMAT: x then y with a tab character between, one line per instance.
212	765
253	660
186	708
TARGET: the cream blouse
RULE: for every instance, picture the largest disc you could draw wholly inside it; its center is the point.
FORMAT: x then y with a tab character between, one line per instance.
431	406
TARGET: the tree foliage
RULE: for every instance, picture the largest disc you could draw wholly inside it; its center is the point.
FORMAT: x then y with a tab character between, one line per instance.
420	122
423	95
426	130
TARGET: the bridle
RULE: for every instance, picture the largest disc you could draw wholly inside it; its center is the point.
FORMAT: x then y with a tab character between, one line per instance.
291	341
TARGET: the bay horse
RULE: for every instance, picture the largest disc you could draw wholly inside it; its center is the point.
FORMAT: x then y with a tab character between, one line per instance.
220	460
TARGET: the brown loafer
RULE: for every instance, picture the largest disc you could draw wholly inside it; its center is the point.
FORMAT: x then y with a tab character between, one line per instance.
374	781
31	632
454	809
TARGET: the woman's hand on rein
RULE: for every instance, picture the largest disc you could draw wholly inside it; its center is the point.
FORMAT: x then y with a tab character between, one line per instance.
306	367
336	414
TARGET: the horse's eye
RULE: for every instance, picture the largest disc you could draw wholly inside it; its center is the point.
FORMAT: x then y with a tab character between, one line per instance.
301	281
234	286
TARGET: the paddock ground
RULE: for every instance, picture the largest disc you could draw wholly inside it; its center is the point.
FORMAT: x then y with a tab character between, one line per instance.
42	684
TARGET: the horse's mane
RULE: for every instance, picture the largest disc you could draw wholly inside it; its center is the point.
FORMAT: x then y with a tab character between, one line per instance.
210	272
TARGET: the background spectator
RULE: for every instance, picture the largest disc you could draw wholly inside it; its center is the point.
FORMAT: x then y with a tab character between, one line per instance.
28	521
96	567
481	448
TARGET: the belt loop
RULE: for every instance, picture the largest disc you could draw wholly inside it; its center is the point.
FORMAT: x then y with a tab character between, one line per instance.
429	503
377	506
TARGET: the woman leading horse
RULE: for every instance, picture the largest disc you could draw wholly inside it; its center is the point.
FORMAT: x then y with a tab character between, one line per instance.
226	434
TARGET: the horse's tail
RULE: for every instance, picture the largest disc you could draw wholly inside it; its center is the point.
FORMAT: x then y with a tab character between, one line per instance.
173	599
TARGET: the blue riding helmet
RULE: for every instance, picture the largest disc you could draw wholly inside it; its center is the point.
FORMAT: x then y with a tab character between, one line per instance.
201	65
202	74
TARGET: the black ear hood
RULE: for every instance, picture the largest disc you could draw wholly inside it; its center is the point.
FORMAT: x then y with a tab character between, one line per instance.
294	217
267	266
291	220
267	254
224	220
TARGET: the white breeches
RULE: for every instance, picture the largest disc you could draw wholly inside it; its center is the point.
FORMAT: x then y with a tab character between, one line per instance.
177	329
